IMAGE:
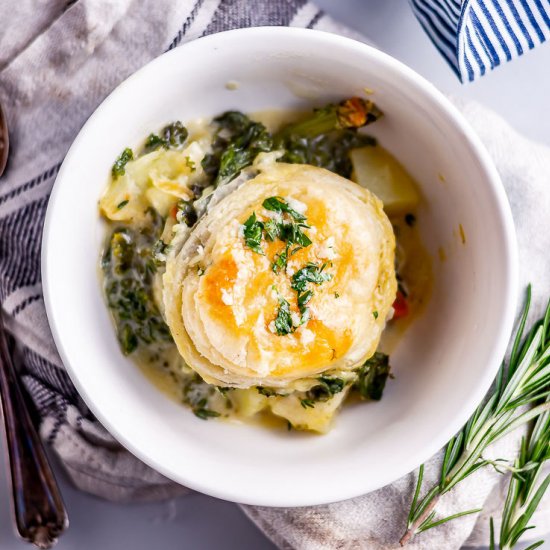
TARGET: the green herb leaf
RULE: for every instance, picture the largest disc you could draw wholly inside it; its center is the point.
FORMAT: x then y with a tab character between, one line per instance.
253	234
119	167
303	299
283	321
292	233
311	273
278	204
375	314
273	230
307	403
122	204
280	260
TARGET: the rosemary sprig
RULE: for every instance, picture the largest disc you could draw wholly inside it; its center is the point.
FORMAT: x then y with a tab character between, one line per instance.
525	489
526	381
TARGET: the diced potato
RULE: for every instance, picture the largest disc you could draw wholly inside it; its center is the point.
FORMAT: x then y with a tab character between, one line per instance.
317	418
248	402
378	171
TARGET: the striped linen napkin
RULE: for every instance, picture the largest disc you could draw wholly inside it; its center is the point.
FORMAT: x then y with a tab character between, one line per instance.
57	63
475	36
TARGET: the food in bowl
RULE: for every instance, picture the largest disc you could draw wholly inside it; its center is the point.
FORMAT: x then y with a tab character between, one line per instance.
251	265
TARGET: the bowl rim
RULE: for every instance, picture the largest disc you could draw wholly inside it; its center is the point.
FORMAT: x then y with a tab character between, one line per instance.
499	346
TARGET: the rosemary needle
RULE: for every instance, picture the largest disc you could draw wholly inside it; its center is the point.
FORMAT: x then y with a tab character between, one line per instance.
524	382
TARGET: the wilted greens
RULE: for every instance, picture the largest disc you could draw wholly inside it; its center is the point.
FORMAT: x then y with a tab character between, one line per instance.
372	376
129	267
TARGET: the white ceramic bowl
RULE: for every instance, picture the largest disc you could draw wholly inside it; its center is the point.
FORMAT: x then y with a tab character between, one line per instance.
444	363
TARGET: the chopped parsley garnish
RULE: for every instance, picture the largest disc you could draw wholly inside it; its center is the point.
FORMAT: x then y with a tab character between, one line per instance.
119	167
307	403
283	321
336	295
280	260
375	314
303	299
273	230
253	233
278	204
292	233
311	273
122	204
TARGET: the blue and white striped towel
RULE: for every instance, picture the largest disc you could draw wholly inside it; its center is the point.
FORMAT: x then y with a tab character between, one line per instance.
476	36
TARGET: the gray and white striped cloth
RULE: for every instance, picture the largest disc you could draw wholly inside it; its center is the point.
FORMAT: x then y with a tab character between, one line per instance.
58	60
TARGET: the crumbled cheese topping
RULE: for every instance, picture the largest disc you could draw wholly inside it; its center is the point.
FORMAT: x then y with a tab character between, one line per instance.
227	297
306	336
326	250
295	318
297	205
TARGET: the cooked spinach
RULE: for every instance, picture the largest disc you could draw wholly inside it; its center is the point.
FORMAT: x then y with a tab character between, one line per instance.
372	376
237	142
326	138
197	394
119	167
129	266
327	388
172	136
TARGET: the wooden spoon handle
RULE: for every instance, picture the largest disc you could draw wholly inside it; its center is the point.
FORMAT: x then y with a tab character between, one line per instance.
40	514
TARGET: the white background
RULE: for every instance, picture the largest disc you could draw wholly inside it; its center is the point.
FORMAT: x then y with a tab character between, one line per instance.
519	91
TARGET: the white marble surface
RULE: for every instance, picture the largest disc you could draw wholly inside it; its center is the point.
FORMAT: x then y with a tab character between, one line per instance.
519	91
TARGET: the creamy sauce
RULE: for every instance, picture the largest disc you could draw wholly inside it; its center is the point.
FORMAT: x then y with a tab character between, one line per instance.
417	276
